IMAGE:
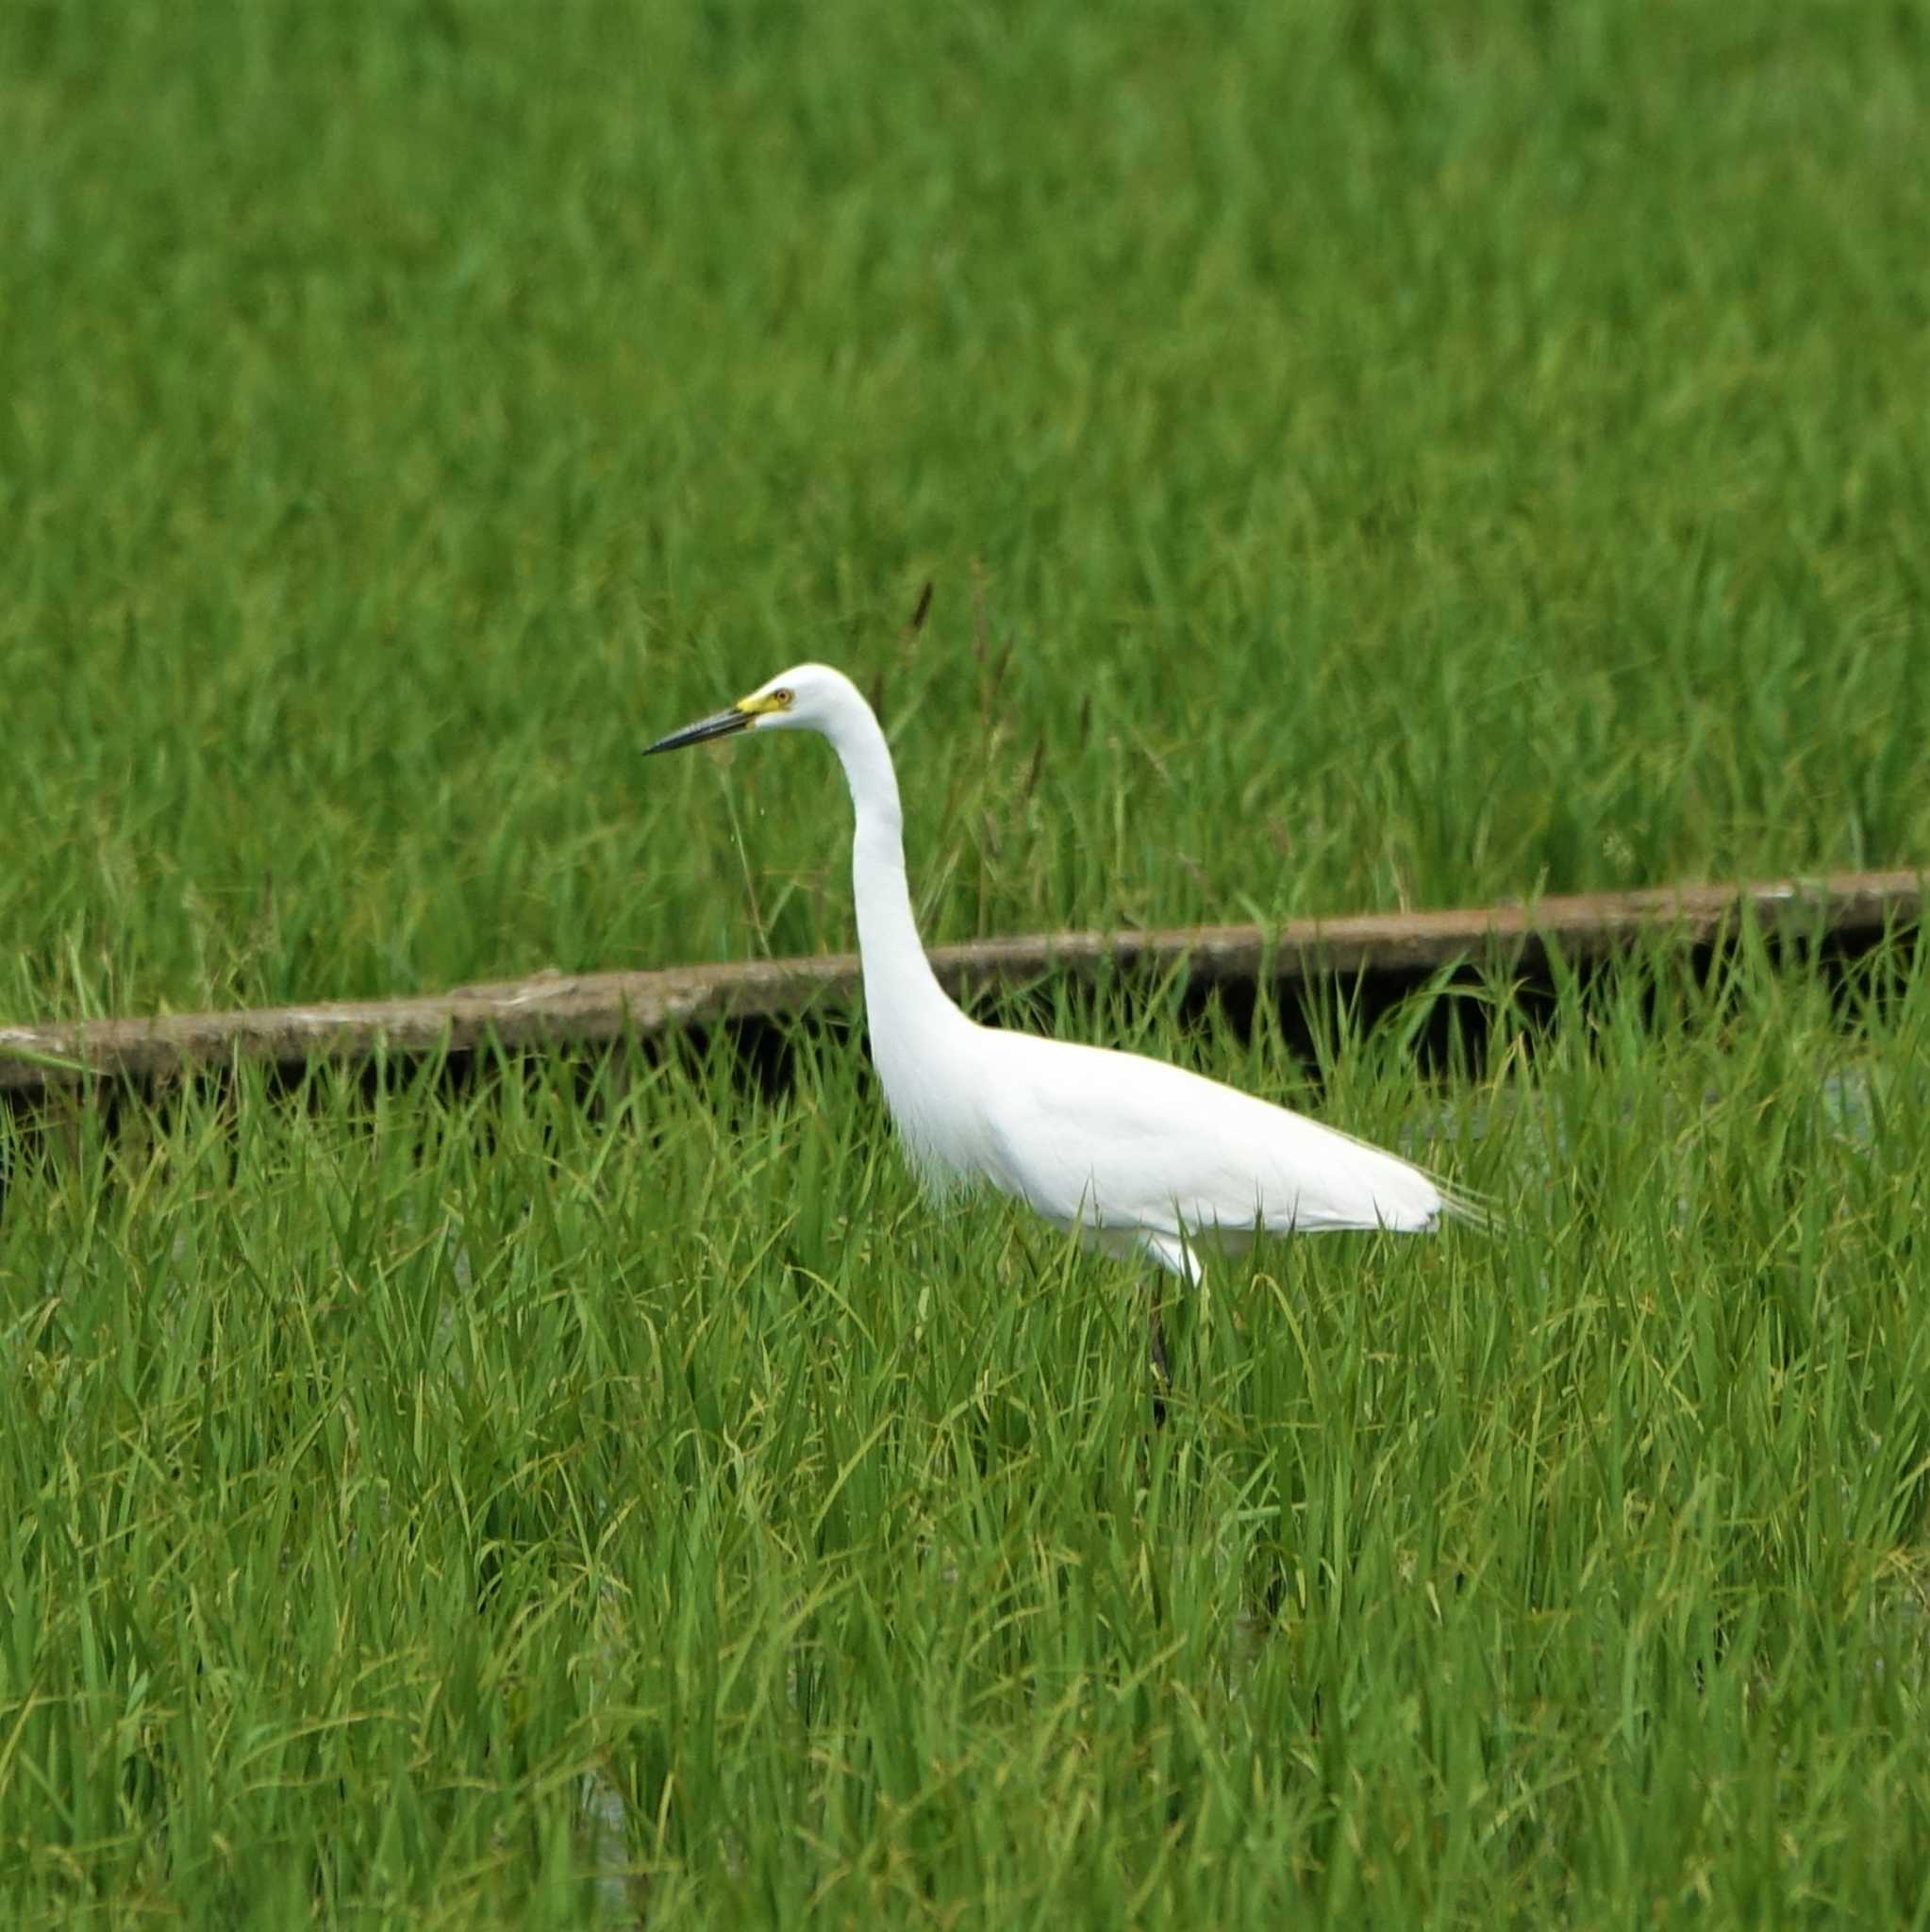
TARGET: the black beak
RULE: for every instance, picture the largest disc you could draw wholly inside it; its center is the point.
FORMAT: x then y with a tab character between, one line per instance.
722	725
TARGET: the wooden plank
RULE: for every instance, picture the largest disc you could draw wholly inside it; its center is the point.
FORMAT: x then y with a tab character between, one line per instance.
1853	908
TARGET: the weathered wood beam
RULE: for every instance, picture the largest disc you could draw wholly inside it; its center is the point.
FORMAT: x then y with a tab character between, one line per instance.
1848	909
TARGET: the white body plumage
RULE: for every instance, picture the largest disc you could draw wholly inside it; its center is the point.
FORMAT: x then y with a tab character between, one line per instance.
1139	1158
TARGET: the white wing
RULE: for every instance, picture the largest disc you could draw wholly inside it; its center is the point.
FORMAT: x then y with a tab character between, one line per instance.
1115	1142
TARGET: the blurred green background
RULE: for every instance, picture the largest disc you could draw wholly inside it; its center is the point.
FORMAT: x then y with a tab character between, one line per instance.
1367	455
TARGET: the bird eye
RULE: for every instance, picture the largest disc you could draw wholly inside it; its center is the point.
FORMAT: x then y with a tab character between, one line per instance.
781	697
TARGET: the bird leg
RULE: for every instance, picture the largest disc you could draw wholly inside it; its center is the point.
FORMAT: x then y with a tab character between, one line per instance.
1162	1375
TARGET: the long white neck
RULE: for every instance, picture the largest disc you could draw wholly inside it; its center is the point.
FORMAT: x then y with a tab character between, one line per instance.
902	998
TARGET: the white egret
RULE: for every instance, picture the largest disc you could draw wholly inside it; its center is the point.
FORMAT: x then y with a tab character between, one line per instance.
1138	1157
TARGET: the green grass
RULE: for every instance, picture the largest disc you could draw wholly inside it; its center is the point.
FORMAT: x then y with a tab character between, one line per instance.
1367	456
1408	455
546	1502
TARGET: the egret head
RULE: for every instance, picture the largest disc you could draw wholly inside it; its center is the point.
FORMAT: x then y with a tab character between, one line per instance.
807	697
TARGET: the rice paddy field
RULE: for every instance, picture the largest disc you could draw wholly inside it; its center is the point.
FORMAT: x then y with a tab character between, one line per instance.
1367	457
